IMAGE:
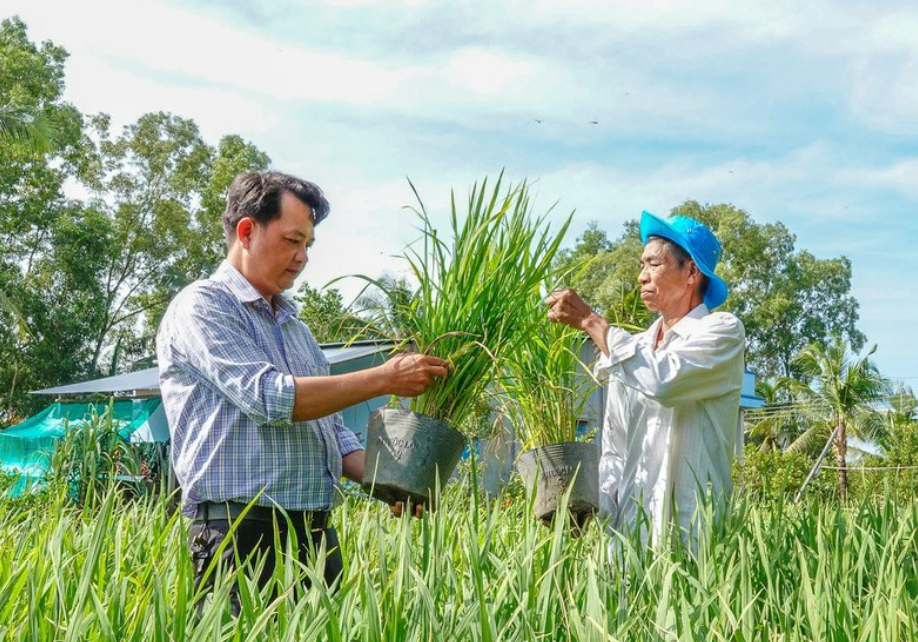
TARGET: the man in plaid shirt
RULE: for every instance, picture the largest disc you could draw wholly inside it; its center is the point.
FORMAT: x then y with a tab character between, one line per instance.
252	409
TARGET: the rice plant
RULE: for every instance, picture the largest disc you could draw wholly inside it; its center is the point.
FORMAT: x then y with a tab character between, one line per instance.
475	283
547	385
474	570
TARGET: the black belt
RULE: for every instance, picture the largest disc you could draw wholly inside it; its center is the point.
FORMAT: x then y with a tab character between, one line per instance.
318	520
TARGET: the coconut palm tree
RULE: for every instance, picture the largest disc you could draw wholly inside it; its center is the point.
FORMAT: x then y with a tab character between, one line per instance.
897	421
384	309
776	425
902	413
841	389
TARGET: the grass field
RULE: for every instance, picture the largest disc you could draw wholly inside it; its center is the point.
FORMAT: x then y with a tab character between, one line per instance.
472	571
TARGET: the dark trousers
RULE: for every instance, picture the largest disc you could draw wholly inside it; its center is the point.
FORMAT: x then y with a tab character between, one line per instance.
255	538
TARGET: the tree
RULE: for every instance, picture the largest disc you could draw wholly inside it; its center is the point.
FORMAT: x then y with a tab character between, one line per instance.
85	281
161	186
32	205
383	309
604	273
841	389
786	298
778	423
32	131
324	313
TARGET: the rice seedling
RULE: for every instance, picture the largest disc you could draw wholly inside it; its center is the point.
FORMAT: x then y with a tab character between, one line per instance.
474	570
547	384
474	287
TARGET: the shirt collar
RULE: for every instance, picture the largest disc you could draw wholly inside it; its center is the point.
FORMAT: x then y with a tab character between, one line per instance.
683	328
243	290
689	323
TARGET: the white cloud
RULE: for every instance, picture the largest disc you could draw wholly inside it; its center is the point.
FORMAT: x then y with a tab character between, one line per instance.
96	86
157	37
900	176
485	73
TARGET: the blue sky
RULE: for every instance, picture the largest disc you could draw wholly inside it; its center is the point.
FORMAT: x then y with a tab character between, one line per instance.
805	113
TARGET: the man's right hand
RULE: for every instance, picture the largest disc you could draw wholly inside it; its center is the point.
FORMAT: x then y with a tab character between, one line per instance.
408	375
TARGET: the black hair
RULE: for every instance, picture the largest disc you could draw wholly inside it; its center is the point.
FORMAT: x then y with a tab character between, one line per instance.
258	195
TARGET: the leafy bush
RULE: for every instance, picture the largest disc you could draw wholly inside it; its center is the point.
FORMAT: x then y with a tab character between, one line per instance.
900	463
769	476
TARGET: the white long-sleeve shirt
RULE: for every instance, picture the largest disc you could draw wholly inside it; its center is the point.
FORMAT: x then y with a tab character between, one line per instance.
672	418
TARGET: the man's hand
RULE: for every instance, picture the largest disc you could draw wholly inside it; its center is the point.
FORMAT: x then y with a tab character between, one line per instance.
399	507
408	375
566	306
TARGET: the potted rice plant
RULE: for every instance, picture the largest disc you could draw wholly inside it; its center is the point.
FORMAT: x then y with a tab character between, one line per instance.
548	388
470	307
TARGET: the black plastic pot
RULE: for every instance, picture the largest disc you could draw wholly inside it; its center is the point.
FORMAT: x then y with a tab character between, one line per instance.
553	469
405	454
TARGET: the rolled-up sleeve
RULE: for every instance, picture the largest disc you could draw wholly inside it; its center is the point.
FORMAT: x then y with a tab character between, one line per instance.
217	346
347	440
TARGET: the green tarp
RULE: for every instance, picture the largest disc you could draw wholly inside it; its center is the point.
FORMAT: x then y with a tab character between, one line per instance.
25	448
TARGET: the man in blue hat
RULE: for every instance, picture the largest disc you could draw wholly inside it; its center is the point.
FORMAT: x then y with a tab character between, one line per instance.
672	413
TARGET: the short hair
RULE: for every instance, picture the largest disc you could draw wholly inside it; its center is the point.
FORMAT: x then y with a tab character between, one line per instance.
682	257
258	195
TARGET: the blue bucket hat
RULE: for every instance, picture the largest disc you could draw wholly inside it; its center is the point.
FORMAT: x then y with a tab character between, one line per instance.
696	239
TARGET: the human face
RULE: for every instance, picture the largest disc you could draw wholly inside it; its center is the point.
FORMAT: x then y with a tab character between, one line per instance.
665	286
276	253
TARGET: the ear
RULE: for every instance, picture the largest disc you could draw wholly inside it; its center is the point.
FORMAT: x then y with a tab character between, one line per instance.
694	275
244	229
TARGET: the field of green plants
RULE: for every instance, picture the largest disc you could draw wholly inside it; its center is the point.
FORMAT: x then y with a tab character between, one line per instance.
474	570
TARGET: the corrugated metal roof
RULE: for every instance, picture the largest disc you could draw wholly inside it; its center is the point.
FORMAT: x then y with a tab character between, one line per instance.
148	379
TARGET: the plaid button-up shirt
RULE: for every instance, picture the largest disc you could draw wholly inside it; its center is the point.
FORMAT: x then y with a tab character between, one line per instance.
227	363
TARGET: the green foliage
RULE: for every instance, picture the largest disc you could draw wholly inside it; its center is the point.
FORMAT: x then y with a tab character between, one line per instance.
325	314
546	385
471	571
91	455
84	282
157	186
475	284
21	128
604	273
383	312
786	297
841	389
899	430
774	477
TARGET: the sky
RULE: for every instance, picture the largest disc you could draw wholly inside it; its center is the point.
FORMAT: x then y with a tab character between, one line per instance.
804	113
